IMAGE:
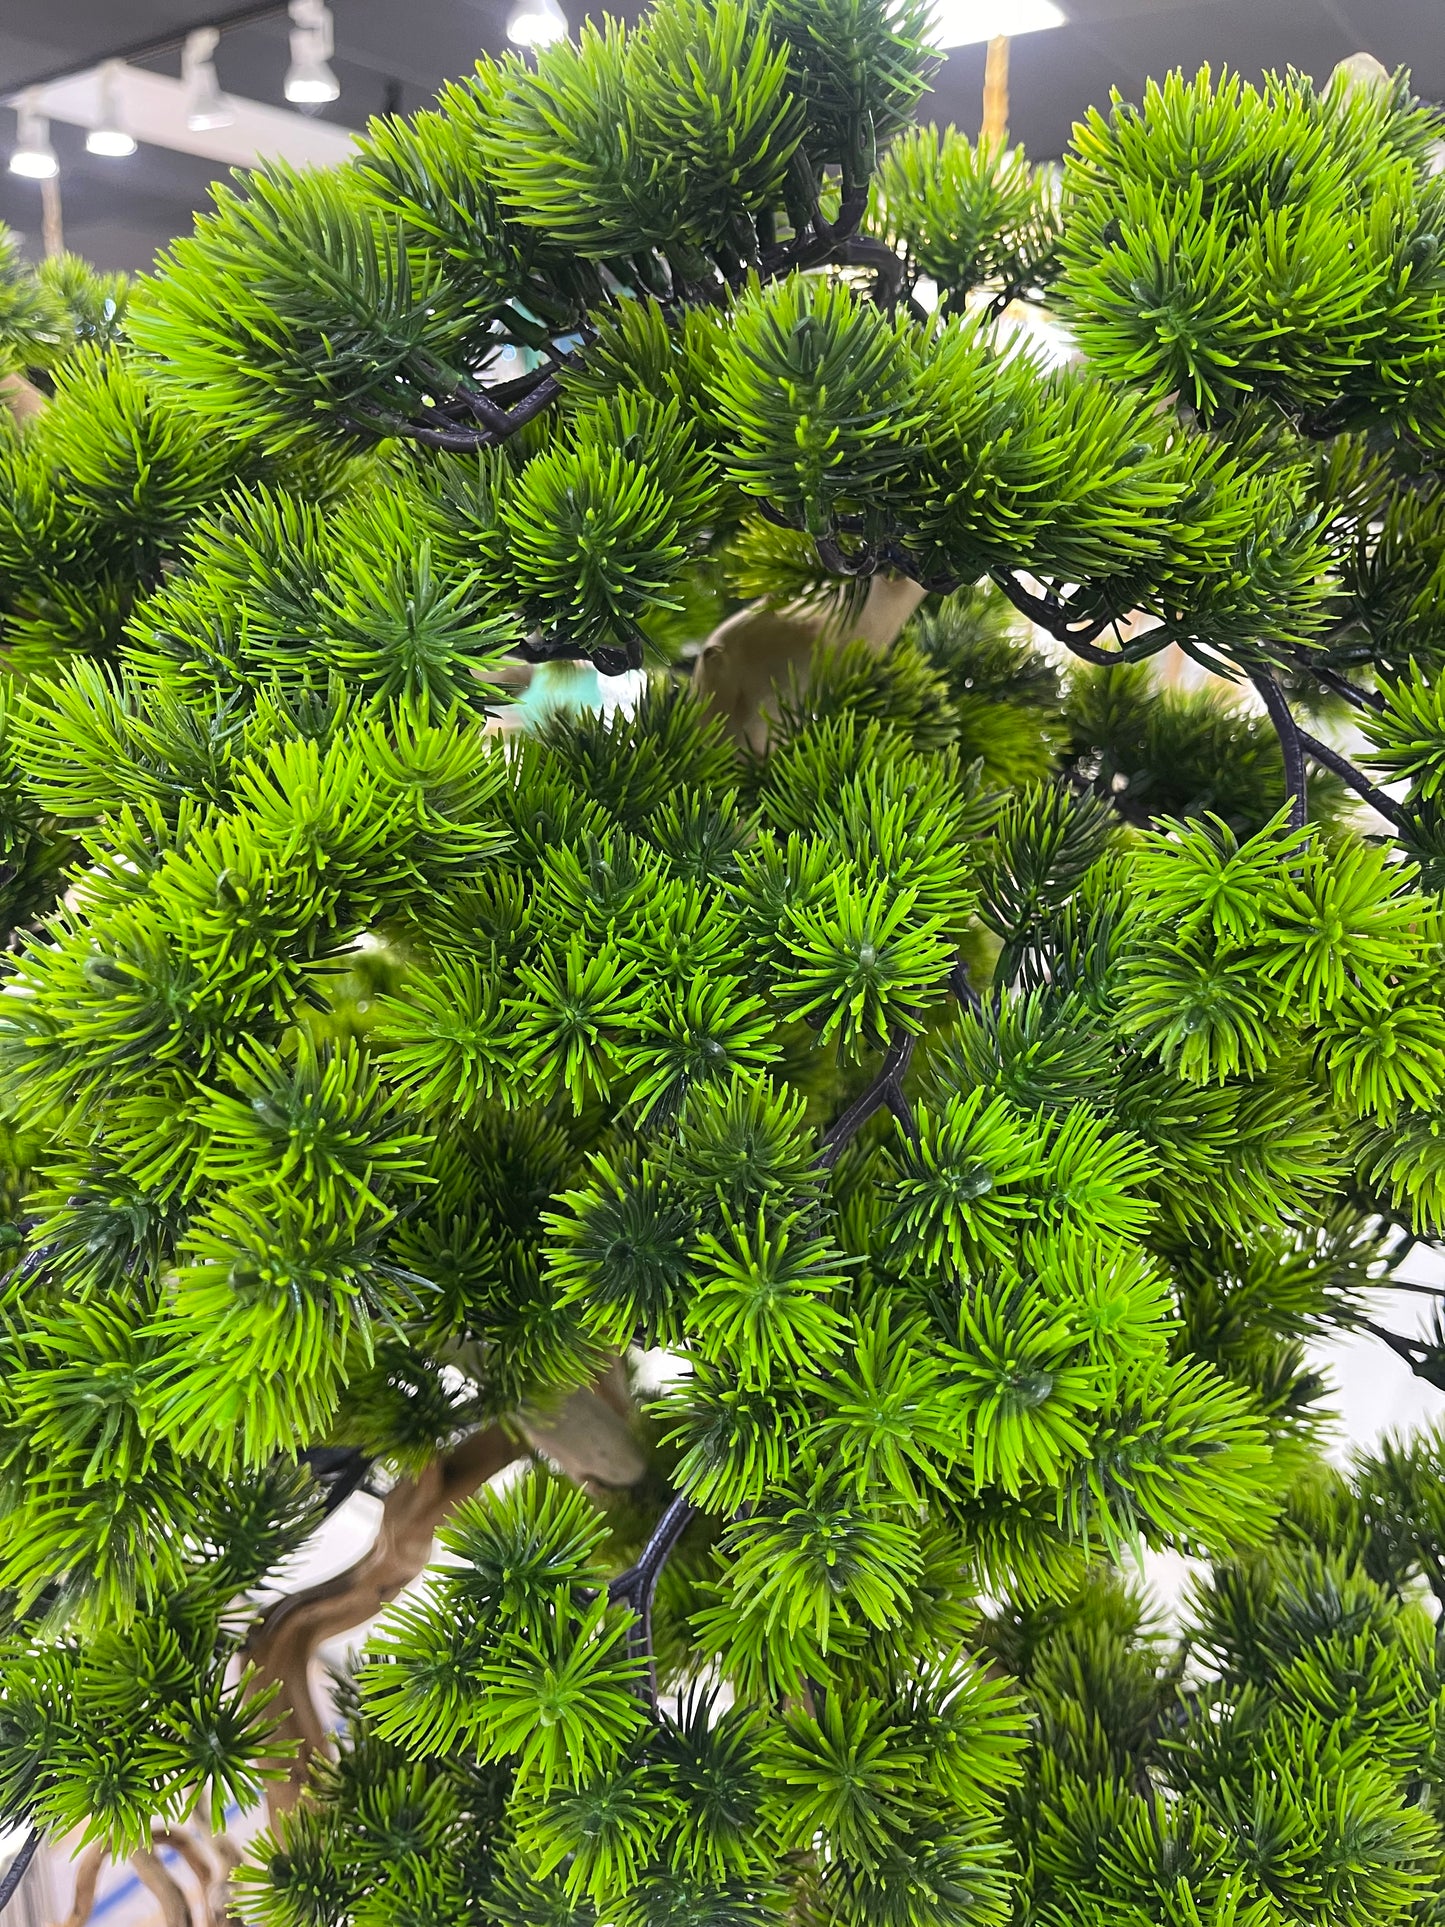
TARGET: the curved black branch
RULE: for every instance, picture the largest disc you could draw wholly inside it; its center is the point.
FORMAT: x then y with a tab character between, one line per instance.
821	241
1415	1352
517	387
18	1867
961	984
848	567
1342	686
339	1470
888	267
637	1587
886	1088
500	422
1331	759
1291	745
1047	611
903	1113
639	1582
457	441
1051	615
607	658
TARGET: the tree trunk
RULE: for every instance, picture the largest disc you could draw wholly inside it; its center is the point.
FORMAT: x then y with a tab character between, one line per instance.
175	1909
284	1644
87	1874
753	653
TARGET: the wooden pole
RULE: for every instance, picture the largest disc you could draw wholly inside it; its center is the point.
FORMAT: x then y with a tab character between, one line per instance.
995	93
51	225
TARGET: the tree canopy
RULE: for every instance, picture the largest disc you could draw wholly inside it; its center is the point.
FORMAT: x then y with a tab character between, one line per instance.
981	1086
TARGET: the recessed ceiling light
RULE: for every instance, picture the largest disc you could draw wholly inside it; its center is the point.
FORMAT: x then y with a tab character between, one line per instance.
206	106
536	23
109	136
961	23
34	157
310	81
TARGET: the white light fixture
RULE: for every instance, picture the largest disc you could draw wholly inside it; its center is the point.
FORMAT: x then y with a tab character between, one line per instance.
309	79
109	135
536	23
34	157
962	23
206	106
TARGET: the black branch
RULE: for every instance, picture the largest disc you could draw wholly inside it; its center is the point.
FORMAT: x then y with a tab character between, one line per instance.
339	1470
1423	1359
609	659
1341	685
497	423
500	423
961	984
501	413
1055	616
1342	767
887	266
821	241
637	1587
16	1871
886	1089
1291	745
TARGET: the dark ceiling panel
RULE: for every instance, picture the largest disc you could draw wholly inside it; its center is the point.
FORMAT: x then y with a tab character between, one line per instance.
1251	39
385	36
399	51
1403	33
36	37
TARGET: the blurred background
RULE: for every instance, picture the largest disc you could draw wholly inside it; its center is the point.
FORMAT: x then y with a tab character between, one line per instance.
293	80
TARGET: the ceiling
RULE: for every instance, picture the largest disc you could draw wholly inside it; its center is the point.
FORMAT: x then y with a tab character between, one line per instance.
394	53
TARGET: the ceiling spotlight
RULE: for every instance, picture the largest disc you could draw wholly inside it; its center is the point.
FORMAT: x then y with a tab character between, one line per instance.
309	79
33	157
536	23
206	106
961	23
109	135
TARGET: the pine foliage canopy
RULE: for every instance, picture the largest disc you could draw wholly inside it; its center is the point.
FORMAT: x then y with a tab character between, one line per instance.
982	1096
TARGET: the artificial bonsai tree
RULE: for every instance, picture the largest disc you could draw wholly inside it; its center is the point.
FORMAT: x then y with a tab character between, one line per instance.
978	1074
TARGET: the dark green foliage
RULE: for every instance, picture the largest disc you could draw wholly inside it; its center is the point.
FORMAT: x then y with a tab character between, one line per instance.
983	1097
98	494
970	217
1208	238
48	311
129	1724
1277	1763
303	246
857	67
1180	751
